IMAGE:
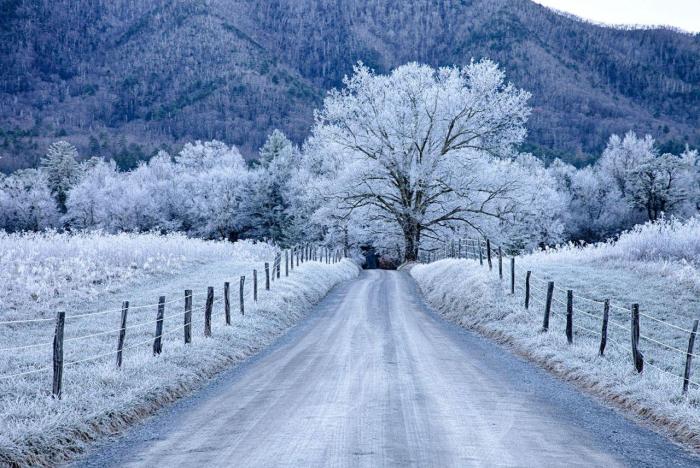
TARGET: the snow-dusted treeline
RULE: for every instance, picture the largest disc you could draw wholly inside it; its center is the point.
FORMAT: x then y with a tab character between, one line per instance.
205	190
631	183
400	161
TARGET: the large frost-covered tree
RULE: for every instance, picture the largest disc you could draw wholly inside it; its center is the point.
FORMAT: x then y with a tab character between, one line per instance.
663	184
414	148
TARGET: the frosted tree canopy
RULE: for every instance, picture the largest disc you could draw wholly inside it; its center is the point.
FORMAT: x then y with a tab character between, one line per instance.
422	149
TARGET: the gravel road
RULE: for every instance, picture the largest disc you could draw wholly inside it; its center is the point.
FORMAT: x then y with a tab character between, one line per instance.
374	378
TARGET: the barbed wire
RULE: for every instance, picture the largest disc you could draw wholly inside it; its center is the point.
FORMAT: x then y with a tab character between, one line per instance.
669	347
594	301
48	344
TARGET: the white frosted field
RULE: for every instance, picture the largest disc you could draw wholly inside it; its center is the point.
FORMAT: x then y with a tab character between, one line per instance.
88	276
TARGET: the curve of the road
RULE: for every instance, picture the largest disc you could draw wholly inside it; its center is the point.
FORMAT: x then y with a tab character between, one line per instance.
374	378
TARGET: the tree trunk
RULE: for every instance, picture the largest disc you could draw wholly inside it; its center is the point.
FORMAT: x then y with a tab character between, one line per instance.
411	233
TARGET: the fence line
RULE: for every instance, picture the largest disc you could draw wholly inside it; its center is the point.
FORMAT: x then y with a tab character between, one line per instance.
91	314
453	249
248	293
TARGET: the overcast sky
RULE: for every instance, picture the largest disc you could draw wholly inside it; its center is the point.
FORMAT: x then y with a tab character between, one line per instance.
684	14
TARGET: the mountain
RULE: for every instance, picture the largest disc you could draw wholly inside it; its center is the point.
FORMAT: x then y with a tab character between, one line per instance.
123	78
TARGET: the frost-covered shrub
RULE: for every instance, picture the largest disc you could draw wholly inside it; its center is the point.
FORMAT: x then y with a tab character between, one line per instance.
669	239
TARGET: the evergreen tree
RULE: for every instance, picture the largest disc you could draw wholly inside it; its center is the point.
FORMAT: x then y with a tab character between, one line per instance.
62	170
276	144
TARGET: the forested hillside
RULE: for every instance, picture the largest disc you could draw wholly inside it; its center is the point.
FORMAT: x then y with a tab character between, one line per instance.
122	78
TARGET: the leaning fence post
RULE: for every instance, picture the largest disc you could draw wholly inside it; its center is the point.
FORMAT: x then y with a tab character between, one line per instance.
157	341
279	265
267	276
548	305
58	355
689	357
207	311
604	331
500	263
227	303
527	289
512	275
637	355
255	285
488	253
122	333
188	316
241	295
569	316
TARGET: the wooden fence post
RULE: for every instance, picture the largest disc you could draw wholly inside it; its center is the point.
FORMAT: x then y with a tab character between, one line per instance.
689	357
637	355
481	255
122	333
291	259
459	248
527	289
297	255
604	331
227	303
279	265
58	355
241	295
286	263
488	254
255	285
512	275
569	316
207	311
500	263
157	340
267	276
188	316
548	305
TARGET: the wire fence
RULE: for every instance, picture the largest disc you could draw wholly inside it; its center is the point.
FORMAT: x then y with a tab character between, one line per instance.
244	298
598	313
